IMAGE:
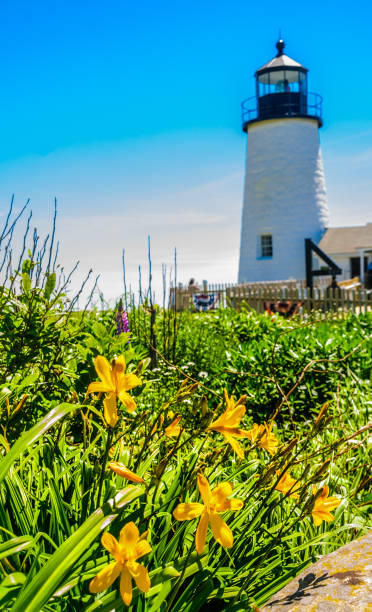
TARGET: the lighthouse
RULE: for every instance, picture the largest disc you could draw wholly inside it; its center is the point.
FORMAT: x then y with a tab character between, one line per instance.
284	191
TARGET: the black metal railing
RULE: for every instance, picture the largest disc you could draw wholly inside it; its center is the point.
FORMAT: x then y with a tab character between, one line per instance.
288	104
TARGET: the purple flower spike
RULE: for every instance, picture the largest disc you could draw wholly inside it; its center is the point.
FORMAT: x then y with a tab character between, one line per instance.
122	321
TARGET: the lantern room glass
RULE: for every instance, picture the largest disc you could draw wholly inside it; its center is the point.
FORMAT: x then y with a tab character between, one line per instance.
281	92
280	81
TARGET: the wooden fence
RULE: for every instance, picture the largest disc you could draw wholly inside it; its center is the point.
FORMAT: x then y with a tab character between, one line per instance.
260	296
338	301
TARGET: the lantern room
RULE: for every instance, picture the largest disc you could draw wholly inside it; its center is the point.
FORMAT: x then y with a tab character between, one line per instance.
281	92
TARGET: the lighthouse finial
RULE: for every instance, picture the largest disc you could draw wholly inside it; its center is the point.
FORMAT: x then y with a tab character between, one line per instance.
280	46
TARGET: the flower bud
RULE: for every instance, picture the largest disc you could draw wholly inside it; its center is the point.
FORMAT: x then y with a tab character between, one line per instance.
323	468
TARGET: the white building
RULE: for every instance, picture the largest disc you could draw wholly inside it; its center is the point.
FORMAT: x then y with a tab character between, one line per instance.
284	193
350	248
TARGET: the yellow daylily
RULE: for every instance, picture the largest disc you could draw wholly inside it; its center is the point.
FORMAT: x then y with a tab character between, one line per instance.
115	383
173	429
322	506
126	551
287	483
121	470
264	437
254	432
228	423
214	501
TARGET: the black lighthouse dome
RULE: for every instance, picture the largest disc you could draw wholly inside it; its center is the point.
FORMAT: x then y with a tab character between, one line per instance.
281	92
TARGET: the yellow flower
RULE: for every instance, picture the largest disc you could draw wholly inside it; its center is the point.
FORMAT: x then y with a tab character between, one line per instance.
126	551
115	383
323	505
121	470
228	423
173	429
287	483
213	502
253	433
264	437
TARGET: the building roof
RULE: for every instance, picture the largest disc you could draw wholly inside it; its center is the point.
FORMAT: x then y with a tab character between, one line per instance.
347	239
281	60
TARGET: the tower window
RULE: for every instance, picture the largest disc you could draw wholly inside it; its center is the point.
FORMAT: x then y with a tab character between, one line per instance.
266	245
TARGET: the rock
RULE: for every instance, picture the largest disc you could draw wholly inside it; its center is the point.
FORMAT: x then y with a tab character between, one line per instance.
339	582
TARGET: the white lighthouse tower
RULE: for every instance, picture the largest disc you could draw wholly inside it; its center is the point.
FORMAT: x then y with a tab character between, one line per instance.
284	193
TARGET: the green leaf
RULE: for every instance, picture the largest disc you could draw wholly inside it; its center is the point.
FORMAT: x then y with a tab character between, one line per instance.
14	579
33	434
9	588
4	393
26	282
15	545
26	266
99	330
161	596
49	285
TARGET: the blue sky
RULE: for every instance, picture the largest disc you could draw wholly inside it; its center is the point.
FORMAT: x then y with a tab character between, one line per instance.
129	113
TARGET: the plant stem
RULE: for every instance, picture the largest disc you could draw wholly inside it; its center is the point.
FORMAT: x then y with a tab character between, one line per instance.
103	468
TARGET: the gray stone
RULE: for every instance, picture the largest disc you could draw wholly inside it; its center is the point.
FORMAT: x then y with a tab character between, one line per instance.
339	582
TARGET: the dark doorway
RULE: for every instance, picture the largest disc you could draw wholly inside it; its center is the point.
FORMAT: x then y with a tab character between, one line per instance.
355	266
